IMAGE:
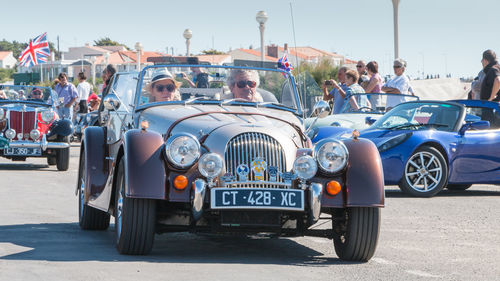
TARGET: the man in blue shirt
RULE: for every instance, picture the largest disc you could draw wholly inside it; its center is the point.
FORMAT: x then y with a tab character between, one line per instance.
66	97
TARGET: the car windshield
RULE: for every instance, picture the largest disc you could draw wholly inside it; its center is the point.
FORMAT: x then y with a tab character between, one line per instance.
374	102
19	93
224	85
420	116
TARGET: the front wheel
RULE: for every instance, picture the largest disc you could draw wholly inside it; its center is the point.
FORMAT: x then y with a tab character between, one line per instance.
135	220
62	157
425	174
356	232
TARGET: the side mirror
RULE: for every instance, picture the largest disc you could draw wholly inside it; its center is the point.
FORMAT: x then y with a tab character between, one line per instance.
321	109
111	102
369	120
478	125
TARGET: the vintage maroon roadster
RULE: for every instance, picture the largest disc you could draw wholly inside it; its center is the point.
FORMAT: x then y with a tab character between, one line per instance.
225	152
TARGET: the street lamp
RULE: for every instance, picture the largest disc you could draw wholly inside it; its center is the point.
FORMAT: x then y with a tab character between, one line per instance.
92	60
395	4
261	18
138	47
188	34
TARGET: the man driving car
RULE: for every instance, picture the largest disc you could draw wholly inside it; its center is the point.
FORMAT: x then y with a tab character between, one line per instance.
243	84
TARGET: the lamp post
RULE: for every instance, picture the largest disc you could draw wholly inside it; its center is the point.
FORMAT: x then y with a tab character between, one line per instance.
188	34
138	47
395	4
92	60
261	18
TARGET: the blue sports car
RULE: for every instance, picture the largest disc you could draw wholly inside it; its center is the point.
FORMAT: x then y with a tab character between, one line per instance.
428	145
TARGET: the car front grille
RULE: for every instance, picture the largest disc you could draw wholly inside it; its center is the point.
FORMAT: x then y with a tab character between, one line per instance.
246	147
22	122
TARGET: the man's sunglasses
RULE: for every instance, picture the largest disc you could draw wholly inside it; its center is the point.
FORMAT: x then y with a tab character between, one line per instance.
168	87
359	66
36	93
241	84
396	66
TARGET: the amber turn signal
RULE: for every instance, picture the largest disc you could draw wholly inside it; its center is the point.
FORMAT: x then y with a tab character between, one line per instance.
180	182
333	188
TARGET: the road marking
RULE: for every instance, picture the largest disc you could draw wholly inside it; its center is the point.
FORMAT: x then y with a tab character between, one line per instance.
422	273
383	261
7	249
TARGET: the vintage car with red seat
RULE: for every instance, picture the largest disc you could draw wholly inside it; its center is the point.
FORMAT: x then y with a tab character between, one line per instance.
30	126
228	155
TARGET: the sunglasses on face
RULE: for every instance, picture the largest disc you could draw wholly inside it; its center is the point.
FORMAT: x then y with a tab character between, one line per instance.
37	93
396	66
243	83
168	87
359	66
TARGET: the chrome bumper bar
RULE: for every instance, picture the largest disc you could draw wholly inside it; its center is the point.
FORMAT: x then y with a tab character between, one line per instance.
315	192
200	187
43	144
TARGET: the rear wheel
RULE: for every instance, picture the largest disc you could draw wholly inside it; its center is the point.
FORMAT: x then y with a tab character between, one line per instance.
356	232
134	220
425	174
458	186
89	218
62	156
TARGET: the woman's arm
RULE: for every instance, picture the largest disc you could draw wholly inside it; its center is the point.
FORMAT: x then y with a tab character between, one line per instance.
371	85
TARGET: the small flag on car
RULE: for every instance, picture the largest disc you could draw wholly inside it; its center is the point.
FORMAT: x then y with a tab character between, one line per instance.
284	64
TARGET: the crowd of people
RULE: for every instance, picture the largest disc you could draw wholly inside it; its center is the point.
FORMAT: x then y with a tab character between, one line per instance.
486	86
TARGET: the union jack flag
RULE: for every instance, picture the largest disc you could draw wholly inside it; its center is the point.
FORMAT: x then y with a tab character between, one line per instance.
284	64
37	51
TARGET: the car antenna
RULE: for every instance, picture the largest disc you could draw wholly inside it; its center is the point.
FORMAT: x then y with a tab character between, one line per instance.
298	67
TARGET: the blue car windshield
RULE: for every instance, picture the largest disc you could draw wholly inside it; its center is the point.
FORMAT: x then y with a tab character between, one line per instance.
420	116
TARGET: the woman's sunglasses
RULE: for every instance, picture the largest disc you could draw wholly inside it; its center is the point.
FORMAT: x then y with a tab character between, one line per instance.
168	87
243	83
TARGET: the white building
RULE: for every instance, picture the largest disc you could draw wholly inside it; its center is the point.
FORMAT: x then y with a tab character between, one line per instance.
7	60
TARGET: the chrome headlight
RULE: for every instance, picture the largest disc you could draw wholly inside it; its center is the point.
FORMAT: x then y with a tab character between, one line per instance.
2	113
210	165
331	155
392	142
47	115
10	134
182	150
305	167
35	134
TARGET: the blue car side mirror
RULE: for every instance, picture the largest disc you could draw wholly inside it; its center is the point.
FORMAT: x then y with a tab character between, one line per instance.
478	125
369	120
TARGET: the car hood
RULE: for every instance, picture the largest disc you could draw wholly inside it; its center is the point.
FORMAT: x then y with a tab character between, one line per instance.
220	127
346	120
379	136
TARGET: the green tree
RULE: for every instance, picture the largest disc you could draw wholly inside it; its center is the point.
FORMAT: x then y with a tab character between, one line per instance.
106	41
212	52
321	71
6	74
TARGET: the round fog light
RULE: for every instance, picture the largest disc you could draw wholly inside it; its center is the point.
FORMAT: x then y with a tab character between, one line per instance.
210	165
35	134
305	167
10	134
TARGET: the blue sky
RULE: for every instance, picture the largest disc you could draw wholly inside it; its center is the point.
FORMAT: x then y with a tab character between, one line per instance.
435	35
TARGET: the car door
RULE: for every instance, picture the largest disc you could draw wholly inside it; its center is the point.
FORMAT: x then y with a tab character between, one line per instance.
477	157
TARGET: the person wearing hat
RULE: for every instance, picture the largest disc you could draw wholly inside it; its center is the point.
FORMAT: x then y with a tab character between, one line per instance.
94	102
36	95
399	84
163	86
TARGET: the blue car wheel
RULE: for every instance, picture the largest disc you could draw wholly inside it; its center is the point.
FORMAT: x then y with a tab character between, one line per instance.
425	174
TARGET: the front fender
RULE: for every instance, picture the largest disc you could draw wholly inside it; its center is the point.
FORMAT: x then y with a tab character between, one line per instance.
94	148
62	128
329	132
145	175
364	175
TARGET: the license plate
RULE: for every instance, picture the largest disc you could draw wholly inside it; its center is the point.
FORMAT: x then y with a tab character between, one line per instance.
257	198
23	151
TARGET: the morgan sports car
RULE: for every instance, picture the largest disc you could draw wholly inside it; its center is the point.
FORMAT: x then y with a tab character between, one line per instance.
429	145
228	155
30	126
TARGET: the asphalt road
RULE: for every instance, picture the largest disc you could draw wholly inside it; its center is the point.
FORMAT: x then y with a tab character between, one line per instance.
453	236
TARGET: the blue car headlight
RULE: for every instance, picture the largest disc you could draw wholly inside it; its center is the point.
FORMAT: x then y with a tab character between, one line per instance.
392	142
